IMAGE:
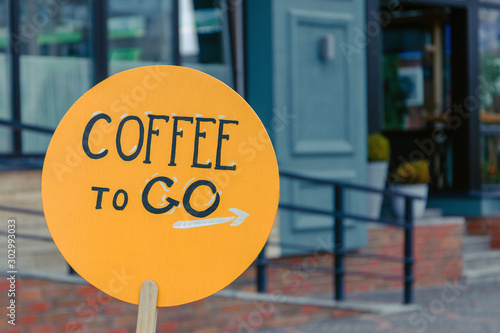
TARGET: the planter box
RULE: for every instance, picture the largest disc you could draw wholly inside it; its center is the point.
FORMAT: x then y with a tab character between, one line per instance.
376	177
398	203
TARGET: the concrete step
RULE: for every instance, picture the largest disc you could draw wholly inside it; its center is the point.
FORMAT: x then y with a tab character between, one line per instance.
50	259
30	248
25	223
20	180
28	226
40	261
481	259
29	203
22	189
29	199
34	246
480	275
29	266
476	244
433	212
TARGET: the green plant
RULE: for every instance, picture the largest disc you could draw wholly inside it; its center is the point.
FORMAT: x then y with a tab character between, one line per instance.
395	97
416	172
379	148
490	173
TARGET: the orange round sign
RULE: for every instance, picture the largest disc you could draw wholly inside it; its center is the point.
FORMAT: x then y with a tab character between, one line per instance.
160	173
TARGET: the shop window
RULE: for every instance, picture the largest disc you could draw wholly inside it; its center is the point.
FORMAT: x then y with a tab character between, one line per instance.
416	65
417	89
141	33
489	48
5	132
55	64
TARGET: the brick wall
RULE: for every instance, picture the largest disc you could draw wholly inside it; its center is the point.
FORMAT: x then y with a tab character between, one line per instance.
54	307
482	226
51	307
437	250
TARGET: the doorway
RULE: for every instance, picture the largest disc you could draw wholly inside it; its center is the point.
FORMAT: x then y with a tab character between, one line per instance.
425	79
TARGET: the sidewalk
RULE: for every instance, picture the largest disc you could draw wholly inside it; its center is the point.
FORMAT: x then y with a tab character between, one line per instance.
447	308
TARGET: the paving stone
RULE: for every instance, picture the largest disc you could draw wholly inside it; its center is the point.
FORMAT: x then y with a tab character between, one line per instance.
450	307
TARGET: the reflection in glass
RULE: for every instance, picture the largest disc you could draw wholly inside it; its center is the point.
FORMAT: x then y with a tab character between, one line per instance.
140	33
54	62
417	94
5	132
55	51
489	48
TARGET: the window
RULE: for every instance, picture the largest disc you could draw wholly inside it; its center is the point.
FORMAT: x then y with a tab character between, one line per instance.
416	64
5	132
142	33
54	45
489	50
55	63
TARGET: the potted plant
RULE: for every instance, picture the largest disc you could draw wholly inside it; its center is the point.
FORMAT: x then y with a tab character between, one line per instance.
411	178
379	153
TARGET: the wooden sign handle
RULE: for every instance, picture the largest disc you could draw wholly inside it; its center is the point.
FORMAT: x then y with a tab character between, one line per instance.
148	310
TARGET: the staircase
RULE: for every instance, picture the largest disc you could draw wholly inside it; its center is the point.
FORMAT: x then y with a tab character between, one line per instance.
481	264
20	190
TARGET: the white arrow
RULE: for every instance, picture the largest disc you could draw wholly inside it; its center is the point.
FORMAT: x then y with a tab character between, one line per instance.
241	216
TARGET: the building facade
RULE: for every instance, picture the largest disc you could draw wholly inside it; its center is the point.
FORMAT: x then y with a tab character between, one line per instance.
321	74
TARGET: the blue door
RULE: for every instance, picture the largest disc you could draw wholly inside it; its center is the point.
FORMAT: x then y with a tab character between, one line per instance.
307	80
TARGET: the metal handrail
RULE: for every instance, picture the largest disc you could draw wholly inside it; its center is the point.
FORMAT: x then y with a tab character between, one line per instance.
339	251
302	209
22	126
326	181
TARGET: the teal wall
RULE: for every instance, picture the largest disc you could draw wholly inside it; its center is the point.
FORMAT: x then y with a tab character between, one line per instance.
314	106
259	50
471	205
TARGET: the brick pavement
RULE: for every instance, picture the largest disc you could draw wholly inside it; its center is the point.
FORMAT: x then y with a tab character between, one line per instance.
445	308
